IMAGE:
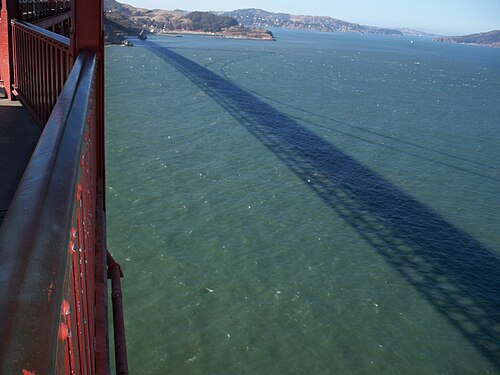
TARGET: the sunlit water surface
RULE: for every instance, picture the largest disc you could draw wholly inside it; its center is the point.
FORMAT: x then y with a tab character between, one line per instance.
323	204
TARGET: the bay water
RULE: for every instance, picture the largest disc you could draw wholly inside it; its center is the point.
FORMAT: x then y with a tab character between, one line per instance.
322	204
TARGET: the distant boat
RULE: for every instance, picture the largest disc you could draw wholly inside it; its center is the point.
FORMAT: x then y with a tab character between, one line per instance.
142	35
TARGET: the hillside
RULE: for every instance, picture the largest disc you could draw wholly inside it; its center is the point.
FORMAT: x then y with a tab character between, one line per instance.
488	39
117	23
123	19
262	18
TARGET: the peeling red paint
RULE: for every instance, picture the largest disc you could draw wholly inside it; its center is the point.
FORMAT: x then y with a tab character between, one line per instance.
65	307
63	333
79	277
79	189
71	247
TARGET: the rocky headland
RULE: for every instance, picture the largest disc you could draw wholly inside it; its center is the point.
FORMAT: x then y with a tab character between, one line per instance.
123	20
488	39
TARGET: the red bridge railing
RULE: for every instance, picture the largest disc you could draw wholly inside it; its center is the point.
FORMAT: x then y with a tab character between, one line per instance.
53	284
42	63
53	260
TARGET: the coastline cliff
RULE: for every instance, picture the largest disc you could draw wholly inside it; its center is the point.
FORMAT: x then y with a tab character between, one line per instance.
488	39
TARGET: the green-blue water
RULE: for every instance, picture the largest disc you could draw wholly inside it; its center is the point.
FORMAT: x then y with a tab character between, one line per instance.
323	204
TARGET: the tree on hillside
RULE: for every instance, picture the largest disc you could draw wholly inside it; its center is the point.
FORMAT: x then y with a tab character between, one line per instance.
210	22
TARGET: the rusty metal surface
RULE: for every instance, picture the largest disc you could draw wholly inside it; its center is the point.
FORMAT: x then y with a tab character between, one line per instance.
53	266
43	244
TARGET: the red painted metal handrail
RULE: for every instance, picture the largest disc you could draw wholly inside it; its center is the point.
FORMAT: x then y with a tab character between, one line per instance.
52	245
42	63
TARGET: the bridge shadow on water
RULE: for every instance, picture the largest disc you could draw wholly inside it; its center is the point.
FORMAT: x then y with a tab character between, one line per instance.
458	275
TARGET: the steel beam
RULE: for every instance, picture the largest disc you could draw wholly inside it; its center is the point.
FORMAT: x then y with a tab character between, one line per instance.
10	10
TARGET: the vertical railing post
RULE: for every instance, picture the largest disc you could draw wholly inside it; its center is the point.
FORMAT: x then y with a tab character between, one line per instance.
87	24
10	10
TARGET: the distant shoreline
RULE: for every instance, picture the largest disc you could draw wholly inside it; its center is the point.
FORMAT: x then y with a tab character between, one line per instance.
489	39
223	35
250	24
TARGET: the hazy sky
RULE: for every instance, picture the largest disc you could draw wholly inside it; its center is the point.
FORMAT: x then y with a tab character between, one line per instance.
449	17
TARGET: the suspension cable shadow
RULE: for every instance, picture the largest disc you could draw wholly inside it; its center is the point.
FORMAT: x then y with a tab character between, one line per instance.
457	274
371	133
